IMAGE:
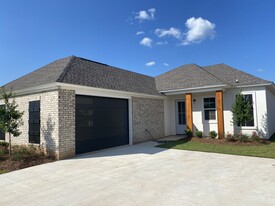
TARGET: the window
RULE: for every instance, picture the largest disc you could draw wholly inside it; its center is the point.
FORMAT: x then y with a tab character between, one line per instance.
2	135
181	113
34	122
250	123
209	108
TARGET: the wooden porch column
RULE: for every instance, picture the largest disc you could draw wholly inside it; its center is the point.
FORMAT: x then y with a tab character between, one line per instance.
219	106
189	111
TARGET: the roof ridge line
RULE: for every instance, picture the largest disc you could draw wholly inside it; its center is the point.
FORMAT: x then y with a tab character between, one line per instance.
214	75
66	69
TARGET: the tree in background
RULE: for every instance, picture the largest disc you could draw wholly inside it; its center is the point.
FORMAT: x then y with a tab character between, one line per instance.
241	110
10	117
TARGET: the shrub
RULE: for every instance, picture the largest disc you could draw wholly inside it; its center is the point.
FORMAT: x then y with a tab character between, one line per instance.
255	137
3	151
21	151
243	137
230	138
4	144
189	133
213	134
198	134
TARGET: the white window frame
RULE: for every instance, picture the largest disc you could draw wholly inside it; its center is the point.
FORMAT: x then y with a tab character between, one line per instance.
212	121
254	111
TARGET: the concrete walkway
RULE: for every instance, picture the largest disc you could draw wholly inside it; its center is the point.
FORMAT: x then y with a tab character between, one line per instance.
143	175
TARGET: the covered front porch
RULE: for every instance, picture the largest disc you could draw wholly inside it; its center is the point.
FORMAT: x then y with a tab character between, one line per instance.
196	110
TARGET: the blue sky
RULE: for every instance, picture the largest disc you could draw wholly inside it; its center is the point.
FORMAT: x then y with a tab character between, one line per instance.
148	37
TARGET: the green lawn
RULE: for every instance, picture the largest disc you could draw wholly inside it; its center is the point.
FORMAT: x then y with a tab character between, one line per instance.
266	151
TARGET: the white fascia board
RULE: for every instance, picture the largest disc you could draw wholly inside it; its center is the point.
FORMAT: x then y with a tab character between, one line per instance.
86	90
195	90
37	89
254	85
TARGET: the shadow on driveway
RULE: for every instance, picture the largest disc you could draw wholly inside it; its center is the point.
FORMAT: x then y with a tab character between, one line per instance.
142	148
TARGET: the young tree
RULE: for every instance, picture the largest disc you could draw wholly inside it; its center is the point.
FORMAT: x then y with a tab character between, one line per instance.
10	117
241	110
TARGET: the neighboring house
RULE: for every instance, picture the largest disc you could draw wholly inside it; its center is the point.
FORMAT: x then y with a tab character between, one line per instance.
74	105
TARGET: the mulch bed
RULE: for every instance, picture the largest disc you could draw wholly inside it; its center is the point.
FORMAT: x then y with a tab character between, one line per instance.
8	163
225	142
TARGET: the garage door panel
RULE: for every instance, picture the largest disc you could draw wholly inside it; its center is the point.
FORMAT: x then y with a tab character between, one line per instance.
100	123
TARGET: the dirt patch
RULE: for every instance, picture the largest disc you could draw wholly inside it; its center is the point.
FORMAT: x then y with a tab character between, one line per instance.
226	142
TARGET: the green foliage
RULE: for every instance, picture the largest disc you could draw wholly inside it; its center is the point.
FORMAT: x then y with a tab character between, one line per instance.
213	134
21	152
243	137
241	110
4	144
189	132
231	138
199	134
264	150
10	117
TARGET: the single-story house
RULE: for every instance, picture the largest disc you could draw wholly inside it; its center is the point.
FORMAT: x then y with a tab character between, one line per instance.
74	105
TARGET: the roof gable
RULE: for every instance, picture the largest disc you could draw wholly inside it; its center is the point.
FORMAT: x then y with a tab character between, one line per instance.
184	77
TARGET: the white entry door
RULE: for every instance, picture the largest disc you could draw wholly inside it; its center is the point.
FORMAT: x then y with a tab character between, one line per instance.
180	117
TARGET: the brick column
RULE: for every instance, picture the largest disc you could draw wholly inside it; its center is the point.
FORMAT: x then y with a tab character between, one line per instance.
219	106
189	111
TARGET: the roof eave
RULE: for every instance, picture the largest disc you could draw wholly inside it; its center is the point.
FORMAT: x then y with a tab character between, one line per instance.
255	85
195	90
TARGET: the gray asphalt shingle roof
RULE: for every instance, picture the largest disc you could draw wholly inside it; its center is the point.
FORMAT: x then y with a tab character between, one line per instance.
192	76
229	75
79	71
187	76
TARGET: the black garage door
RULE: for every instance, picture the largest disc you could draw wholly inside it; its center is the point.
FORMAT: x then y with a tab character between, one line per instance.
100	123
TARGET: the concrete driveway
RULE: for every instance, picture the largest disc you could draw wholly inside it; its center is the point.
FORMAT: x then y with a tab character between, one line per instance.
143	175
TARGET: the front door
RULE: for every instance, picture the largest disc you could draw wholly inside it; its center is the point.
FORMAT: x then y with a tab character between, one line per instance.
180	117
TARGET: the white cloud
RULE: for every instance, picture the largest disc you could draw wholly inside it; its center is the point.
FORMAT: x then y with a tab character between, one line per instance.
146	42
149	64
165	64
162	43
198	30
174	32
146	15
140	33
260	70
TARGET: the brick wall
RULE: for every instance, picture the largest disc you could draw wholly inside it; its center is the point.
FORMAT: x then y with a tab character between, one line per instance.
147	114
48	116
66	106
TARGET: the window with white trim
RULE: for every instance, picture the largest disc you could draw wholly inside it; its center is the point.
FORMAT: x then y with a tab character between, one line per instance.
209	108
248	123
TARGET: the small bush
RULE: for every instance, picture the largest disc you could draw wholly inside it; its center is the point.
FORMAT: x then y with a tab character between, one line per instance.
21	151
243	137
255	137
189	133
4	144
199	134
213	134
3	151
230	138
